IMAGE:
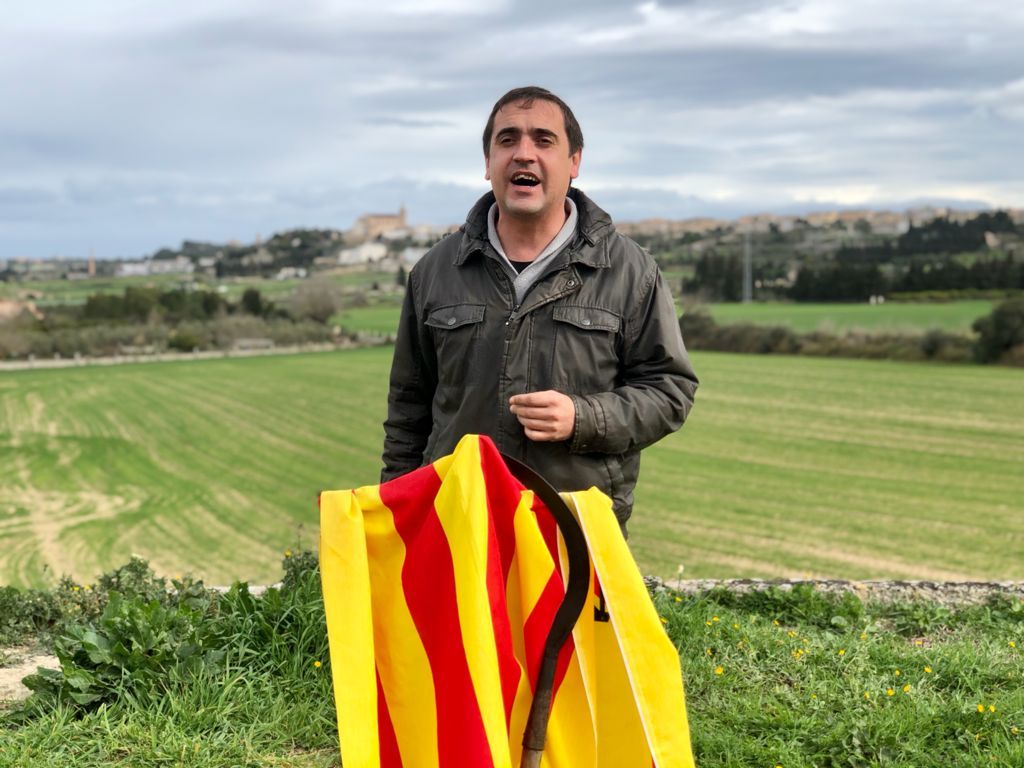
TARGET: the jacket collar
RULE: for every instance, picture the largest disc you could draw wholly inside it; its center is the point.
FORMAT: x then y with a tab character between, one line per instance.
594	226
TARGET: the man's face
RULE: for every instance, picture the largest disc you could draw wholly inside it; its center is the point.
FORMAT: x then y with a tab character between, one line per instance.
529	165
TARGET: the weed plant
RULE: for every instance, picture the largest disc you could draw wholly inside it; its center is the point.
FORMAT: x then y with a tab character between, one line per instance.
173	674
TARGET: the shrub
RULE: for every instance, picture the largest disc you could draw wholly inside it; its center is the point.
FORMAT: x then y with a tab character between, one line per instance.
1000	331
137	636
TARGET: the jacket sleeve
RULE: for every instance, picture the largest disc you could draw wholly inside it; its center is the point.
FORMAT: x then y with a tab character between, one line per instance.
410	394
657	381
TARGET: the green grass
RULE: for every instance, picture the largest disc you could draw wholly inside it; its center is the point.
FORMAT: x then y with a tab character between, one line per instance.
954	316
788	466
54	292
794	678
766	689
381	318
892	317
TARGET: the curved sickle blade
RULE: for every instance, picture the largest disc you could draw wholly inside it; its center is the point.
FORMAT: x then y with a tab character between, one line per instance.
567	614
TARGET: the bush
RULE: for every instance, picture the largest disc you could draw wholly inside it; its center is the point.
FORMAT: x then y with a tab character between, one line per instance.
700	331
1000	331
135	637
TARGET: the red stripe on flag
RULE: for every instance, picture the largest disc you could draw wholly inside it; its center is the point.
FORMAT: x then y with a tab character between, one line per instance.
503	494
538	623
428	580
390	757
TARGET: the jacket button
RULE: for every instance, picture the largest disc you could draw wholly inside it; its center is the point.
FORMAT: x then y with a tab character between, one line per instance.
571	283
586	321
451	321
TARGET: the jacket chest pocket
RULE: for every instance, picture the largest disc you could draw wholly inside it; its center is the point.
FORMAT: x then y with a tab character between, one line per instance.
456	329
585	351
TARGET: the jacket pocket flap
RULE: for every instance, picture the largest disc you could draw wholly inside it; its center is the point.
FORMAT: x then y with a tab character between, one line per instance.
588	318
455	315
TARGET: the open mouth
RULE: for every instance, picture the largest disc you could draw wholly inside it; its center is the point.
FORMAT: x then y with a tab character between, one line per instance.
523	179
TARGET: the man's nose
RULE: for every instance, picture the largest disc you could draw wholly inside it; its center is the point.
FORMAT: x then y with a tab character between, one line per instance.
524	150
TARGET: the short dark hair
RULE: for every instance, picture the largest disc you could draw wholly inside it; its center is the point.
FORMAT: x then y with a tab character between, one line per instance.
525	97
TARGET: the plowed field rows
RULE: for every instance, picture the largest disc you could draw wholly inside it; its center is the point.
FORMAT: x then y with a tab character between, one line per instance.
789	466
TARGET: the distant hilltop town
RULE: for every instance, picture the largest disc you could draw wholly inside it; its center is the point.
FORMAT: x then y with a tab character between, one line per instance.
388	241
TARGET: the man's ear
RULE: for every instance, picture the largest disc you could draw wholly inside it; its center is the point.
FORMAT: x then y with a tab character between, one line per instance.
574	163
487	167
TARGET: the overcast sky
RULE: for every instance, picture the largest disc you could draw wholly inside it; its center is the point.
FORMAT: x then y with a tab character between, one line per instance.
129	125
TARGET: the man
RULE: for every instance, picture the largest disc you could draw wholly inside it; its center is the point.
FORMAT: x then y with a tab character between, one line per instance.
538	324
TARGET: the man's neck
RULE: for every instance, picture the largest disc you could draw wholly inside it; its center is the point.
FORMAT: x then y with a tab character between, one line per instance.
523	238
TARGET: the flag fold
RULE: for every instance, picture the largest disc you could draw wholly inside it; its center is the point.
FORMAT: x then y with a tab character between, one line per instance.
440	588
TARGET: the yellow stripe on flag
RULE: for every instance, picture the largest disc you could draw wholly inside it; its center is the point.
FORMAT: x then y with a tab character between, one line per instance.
640	646
345	580
461	506
402	662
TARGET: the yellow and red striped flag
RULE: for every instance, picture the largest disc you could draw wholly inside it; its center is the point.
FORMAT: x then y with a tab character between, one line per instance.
440	588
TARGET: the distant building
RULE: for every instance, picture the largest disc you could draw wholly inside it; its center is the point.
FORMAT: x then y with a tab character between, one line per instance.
180	265
362	254
290	273
370	226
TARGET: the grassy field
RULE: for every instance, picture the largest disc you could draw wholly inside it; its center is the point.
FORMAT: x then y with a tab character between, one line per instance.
51	292
954	316
798	678
788	466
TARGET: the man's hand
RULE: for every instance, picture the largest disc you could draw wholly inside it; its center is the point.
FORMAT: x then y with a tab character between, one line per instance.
545	416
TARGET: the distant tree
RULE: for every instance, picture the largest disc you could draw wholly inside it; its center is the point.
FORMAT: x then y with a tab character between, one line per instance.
1000	331
316	300
252	302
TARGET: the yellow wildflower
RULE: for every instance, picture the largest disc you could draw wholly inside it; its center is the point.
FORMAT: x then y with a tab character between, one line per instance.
991	707
842	652
1013	644
714	618
775	622
719	670
287	553
981	707
663	620
897	673
863	635
316	664
906	688
928	670
890	692
679	599
867	695
707	623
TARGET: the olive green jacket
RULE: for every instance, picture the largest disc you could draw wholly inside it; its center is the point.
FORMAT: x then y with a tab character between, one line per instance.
599	325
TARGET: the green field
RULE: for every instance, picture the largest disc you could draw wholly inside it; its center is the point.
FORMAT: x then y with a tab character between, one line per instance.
953	316
53	292
789	466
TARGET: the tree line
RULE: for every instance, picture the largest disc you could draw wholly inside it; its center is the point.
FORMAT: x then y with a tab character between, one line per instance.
941	255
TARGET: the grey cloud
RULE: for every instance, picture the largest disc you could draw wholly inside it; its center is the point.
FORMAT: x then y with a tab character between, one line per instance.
397	121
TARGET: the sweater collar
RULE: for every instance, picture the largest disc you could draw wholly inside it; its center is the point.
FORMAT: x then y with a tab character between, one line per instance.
593	228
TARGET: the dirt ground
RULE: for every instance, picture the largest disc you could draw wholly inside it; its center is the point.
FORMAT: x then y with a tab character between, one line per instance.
19	663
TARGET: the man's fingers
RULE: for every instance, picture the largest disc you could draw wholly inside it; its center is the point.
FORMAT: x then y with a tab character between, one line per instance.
541	424
523	412
535	399
534	434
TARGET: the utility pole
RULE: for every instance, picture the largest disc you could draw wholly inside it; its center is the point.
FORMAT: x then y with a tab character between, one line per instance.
748	272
